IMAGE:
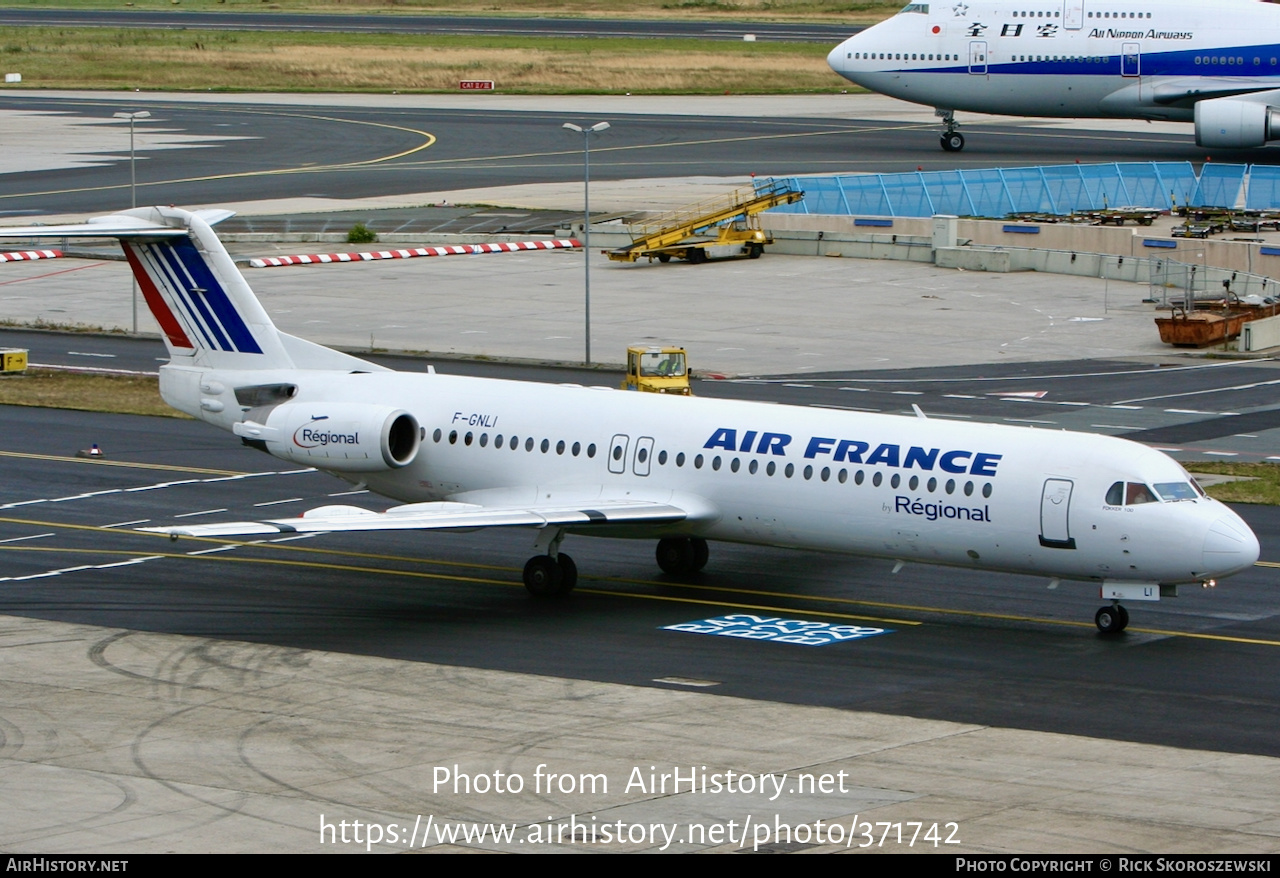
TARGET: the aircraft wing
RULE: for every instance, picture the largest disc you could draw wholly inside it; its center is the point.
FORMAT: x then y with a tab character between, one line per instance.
444	515
1186	92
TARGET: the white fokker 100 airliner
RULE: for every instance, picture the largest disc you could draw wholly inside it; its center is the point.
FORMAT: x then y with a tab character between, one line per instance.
466	453
1216	64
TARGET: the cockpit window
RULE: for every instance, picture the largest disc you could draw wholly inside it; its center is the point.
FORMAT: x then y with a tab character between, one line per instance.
922	8
1136	493
1176	491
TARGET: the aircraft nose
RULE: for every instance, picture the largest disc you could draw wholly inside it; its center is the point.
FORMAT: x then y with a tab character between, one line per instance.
835	58
1229	546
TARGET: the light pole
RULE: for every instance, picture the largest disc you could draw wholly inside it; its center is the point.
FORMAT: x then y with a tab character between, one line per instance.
586	217
133	190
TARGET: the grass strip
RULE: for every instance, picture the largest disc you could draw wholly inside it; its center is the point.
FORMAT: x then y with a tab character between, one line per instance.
737	11
87	392
1260	482
247	61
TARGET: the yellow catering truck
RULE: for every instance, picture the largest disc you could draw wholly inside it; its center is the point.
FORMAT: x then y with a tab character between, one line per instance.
657	370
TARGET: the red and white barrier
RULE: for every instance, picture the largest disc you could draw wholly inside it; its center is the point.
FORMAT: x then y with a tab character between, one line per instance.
451	250
20	255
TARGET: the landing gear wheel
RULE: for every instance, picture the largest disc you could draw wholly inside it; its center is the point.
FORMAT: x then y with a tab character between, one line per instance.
568	574
1111	620
544	576
953	141
680	556
675	555
701	553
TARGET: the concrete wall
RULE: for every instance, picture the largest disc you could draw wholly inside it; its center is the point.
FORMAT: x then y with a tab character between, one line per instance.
1125	241
1259	335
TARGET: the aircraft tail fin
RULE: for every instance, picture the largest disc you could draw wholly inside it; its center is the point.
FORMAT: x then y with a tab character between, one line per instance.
206	310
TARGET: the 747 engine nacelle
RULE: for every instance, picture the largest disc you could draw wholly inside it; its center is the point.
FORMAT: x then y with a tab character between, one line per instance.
343	437
1232	123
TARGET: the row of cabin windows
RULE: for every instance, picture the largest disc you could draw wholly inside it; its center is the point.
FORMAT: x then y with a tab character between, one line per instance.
1089	59
924	8
513	442
901	56
825	474
920	56
1056	13
1229	61
717	462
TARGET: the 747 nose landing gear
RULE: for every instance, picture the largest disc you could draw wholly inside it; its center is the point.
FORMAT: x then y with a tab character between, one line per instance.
952	140
1112	619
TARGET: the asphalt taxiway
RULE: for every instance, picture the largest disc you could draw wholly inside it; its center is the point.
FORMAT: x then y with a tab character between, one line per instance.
423	149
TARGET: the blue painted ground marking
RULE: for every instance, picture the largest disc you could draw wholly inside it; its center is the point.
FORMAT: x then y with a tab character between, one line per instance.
778	629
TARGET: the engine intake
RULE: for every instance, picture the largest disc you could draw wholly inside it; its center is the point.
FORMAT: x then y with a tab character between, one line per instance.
345	437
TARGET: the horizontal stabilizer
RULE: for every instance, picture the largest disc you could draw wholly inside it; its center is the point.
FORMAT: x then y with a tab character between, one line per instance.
147	222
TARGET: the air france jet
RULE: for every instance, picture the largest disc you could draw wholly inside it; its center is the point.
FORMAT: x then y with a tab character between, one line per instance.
465	453
1214	64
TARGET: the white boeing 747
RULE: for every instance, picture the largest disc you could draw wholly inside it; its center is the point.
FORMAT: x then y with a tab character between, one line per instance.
1215	64
465	453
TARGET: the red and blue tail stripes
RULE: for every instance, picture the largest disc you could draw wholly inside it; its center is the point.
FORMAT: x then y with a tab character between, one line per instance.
187	299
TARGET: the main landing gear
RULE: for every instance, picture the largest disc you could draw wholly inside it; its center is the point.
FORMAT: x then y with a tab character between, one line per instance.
548	577
554	574
1112	619
680	556
952	140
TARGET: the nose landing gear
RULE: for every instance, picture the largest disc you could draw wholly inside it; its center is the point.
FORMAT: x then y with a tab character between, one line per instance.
952	140
1112	619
